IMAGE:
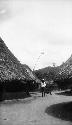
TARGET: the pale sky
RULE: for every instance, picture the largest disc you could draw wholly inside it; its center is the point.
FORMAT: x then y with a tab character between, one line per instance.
30	27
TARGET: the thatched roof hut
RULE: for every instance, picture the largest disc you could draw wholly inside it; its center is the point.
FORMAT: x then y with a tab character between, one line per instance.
14	76
64	75
65	70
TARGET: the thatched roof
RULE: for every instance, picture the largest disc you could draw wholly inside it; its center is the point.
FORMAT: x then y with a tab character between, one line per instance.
10	67
29	73
65	71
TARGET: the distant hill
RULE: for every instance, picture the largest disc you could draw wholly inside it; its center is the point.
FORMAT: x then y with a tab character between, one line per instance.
48	73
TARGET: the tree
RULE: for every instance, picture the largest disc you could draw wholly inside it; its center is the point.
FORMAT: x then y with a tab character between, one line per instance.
54	64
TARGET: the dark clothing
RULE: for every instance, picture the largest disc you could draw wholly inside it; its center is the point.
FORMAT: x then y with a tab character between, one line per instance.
43	91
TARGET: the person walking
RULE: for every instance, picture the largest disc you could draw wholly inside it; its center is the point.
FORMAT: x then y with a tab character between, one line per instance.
43	85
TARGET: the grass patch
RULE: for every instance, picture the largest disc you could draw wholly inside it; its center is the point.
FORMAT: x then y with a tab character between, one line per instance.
62	111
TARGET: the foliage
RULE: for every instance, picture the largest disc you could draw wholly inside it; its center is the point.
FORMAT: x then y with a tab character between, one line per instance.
47	73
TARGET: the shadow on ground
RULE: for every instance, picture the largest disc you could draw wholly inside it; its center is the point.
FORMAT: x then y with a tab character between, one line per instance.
13	95
18	97
62	111
66	93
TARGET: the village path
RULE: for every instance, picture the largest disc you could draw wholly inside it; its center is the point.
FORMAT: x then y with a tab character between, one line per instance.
31	111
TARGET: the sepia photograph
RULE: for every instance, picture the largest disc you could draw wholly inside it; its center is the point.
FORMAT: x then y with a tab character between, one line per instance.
35	62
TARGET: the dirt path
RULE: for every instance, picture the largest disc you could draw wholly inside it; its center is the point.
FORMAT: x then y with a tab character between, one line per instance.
31	111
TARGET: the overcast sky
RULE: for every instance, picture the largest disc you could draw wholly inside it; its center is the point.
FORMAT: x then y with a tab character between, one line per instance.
31	27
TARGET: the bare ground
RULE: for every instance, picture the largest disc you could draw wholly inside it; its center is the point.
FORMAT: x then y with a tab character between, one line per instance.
35	110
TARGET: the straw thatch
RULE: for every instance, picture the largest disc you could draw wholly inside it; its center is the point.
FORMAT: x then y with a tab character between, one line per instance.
65	71
29	74
64	76
10	67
